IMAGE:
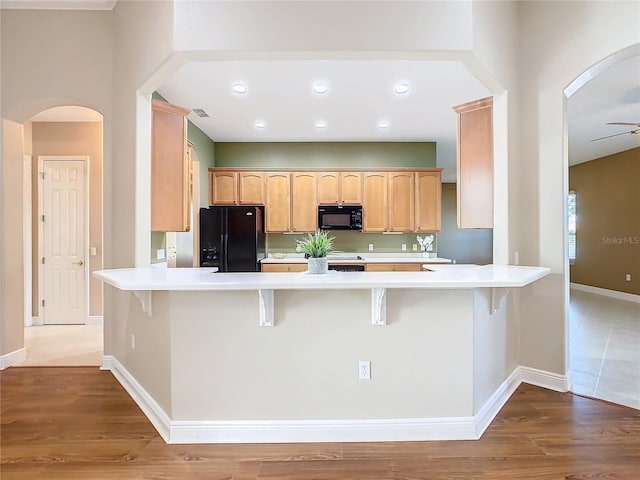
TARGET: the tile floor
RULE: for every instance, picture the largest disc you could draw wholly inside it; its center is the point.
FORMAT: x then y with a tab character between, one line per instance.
63	345
605	347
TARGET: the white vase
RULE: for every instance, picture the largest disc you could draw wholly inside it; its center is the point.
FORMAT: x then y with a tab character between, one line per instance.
318	265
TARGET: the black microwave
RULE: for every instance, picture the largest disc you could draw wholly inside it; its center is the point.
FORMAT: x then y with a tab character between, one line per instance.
340	217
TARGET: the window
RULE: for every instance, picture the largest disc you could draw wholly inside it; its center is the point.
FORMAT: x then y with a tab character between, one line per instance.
571	220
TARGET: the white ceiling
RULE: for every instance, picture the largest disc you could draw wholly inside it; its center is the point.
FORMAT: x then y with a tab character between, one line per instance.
360	94
612	96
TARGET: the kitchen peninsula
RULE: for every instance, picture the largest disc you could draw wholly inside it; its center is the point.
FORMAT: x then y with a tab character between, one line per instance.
274	357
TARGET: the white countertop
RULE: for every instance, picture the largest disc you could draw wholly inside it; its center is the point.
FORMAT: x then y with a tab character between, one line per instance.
347	258
446	276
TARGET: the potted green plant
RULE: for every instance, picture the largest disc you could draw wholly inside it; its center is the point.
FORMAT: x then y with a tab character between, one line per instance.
316	247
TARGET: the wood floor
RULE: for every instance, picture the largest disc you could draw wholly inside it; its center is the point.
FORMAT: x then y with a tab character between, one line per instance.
78	423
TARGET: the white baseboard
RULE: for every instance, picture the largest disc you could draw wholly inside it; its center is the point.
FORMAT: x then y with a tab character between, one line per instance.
36	321
283	431
301	431
629	297
490	409
13	358
156	415
95	320
544	379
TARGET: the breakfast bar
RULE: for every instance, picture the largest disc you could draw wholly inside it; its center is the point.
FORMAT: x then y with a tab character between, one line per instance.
440	348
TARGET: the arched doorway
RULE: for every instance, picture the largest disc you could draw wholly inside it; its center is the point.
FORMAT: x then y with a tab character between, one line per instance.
603	329
63	238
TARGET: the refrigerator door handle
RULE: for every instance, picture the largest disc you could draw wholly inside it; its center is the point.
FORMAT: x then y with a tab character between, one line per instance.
225	255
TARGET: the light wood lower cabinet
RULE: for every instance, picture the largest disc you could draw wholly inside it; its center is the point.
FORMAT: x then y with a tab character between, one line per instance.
393	267
170	169
284	267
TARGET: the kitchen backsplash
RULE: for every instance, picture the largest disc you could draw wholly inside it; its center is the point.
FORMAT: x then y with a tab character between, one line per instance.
351	242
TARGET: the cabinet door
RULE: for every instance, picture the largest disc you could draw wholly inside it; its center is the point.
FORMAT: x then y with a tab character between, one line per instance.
284	267
393	267
251	188
329	187
374	201
225	188
475	164
170	169
428	201
277	202
351	187
304	207
401	201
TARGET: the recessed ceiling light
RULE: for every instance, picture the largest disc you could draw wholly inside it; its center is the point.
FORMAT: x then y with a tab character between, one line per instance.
321	124
260	124
401	88
320	88
382	124
239	88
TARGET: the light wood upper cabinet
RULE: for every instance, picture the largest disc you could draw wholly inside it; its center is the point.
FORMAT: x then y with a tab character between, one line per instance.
304	211
170	169
475	164
340	187
374	202
251	188
329	187
401	198
428	201
351	187
224	188
277	202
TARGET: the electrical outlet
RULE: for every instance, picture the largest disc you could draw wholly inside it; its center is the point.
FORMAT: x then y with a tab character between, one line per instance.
160	254
133	342
404	247
627	277
298	248
415	247
371	247
364	370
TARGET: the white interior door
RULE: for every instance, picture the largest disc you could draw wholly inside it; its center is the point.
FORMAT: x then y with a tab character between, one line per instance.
64	229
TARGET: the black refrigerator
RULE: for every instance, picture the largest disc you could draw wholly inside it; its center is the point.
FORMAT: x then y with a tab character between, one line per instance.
232	238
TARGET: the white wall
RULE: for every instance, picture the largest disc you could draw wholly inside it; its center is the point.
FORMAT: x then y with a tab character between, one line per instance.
558	41
49	58
11	240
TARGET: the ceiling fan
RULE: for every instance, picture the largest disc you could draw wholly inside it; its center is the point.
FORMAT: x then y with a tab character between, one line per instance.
635	131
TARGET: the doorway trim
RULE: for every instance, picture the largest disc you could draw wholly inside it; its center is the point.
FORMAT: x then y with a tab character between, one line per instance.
87	176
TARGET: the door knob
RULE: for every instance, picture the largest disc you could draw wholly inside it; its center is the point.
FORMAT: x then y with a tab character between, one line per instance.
79	262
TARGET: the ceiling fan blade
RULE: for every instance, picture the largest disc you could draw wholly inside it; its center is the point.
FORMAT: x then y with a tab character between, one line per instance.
623	123
614	135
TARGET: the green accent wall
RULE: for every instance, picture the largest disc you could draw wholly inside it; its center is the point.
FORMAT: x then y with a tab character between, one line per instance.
205	149
326	154
351	242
